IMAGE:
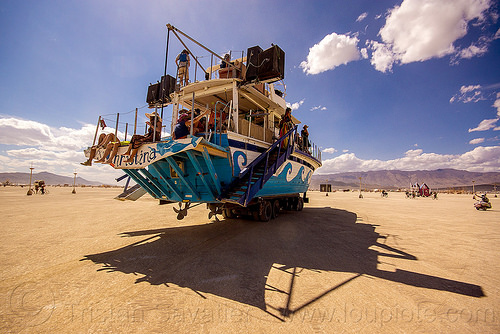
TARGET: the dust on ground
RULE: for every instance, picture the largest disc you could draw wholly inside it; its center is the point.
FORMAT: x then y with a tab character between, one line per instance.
85	262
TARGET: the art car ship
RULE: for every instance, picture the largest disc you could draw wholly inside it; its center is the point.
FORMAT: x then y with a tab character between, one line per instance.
238	163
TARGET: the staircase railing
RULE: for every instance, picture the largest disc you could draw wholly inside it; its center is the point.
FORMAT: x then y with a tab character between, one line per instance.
253	177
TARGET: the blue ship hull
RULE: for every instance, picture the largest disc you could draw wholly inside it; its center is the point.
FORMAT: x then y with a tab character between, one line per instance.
197	170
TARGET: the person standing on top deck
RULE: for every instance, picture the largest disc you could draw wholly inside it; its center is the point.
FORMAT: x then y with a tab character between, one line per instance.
182	61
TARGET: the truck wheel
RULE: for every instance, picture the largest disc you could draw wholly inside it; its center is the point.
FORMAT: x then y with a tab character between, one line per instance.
255	214
288	204
228	213
300	204
266	211
276	208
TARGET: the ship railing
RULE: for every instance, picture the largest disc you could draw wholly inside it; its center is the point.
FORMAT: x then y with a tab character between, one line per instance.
313	150
125	124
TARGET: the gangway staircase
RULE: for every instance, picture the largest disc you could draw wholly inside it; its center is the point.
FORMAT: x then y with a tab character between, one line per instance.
133	193
251	179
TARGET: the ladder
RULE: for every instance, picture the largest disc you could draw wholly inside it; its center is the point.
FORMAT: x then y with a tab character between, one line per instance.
251	179
132	193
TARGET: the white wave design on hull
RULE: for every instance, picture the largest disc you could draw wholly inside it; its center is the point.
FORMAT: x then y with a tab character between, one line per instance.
294	171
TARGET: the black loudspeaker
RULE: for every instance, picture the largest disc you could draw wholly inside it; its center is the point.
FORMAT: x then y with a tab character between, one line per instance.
167	87
161	91
252	62
153	93
271	64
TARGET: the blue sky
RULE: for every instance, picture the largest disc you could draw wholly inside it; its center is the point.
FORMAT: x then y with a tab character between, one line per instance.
407	84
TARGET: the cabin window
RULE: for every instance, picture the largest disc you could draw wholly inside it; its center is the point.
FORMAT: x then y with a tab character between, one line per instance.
172	171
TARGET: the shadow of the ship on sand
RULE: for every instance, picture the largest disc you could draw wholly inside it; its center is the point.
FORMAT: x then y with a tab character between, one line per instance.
232	259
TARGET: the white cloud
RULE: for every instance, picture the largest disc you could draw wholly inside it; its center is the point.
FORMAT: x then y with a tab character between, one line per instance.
295	105
472	51
470	88
476	93
364	53
419	30
318	108
15	131
362	17
332	51
481	159
476	141
471	93
329	150
413	153
485	125
496	104
382	56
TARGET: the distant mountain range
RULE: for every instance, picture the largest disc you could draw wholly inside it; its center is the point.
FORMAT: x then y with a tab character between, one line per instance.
390	179
49	178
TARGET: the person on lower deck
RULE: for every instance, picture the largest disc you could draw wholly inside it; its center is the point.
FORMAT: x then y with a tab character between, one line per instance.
104	140
200	127
285	125
182	128
112	148
305	138
154	134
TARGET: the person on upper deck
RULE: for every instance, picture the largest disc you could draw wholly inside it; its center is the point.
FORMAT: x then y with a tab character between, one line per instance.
229	69
182	61
226	61
225	67
154	134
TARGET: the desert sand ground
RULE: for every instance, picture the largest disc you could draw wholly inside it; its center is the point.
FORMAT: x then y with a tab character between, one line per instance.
84	262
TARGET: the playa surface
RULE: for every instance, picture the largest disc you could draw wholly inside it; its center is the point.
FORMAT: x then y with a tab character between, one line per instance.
85	262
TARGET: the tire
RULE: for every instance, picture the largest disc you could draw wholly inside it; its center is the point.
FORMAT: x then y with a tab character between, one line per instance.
300	204
287	205
276	209
228	213
266	212
255	214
